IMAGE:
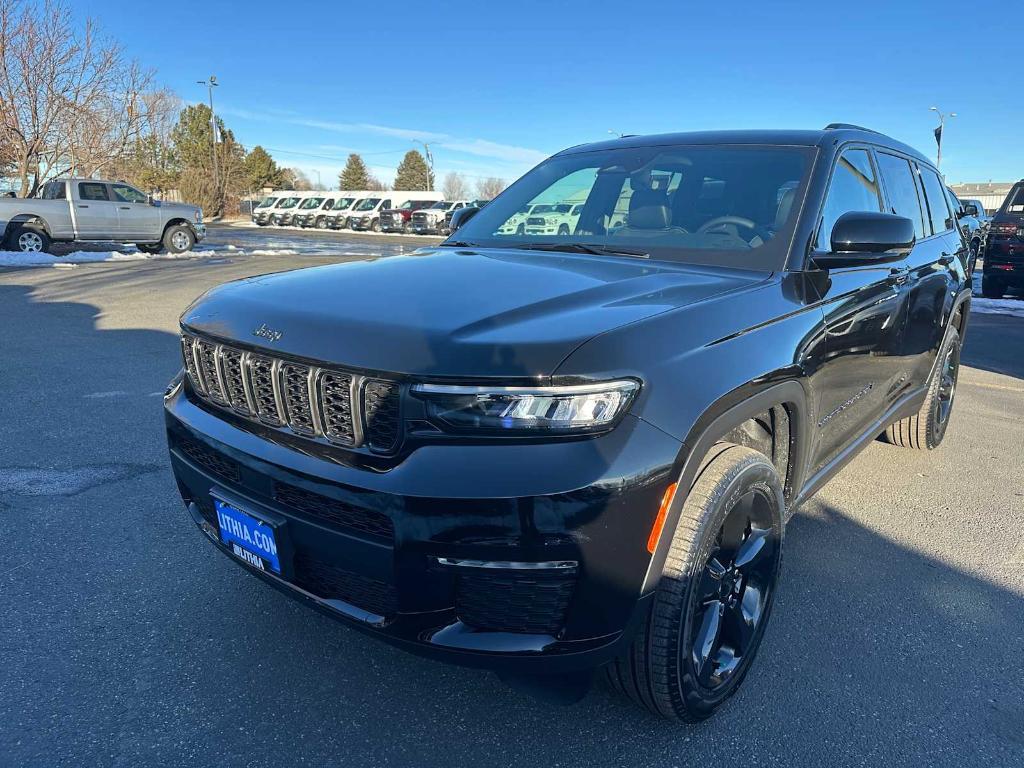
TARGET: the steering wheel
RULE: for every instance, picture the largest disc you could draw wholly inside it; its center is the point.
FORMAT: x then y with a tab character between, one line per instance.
720	221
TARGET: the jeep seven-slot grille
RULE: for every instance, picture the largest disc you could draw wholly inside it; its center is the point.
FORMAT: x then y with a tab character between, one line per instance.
343	408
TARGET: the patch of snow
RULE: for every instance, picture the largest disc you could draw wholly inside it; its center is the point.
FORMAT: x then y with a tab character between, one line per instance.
1012	307
272	252
18	259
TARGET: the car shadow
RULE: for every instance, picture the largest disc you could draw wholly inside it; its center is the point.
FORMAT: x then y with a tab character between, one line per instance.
994	343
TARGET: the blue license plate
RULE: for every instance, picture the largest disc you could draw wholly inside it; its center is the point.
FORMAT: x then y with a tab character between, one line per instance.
249	538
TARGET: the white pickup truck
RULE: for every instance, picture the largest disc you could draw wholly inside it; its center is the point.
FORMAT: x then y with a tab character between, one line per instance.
68	210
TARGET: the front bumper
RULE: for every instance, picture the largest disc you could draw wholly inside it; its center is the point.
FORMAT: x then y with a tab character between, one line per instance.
587	502
200	231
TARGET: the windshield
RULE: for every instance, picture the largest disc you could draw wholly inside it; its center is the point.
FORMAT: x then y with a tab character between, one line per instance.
288	202
266	202
368	204
441	206
343	203
731	205
311	202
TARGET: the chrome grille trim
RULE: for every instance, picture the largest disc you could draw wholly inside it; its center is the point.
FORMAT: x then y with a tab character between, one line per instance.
307	400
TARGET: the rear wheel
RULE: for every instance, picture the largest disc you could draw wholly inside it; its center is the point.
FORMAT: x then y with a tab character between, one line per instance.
716	590
992	287
925	429
29	238
179	238
150	247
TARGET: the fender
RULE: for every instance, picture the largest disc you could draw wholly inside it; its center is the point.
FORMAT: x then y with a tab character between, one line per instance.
715	422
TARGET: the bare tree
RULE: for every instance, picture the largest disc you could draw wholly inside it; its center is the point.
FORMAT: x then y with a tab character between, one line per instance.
490	187
373	183
455	186
68	100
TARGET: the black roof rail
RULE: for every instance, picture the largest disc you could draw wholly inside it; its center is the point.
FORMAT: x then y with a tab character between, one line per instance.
834	126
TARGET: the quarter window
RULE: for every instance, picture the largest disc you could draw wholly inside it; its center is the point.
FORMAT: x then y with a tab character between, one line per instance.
92	191
901	188
854	187
934	192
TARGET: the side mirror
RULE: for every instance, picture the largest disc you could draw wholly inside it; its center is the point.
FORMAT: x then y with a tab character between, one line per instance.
150	200
862	238
970	209
461	216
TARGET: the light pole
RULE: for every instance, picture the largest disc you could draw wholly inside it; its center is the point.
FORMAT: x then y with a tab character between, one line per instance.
430	163
938	133
210	85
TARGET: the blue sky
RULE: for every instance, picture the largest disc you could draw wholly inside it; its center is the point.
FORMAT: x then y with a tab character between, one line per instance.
496	87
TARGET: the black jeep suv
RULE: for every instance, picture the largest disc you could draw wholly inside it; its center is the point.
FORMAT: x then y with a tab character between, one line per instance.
1004	250
546	455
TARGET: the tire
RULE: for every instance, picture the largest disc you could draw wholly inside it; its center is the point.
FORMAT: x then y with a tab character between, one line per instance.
319	223
925	429
665	670
375	225
521	229
29	238
992	287
150	247
179	238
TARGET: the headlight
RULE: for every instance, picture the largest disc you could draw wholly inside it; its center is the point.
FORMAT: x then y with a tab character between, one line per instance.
528	410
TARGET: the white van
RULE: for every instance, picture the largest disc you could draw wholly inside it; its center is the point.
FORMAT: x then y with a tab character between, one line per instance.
313	208
366	213
286	208
261	213
346	200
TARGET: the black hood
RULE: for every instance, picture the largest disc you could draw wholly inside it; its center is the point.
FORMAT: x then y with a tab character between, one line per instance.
452	312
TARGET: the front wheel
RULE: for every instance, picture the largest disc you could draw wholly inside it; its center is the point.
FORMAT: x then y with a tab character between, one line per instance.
926	428
29	238
179	238
712	603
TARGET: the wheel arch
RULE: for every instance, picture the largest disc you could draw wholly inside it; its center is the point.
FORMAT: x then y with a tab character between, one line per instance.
784	404
26	218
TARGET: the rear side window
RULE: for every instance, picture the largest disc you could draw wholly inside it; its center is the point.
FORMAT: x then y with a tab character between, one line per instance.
935	194
1015	200
854	187
90	191
901	188
54	191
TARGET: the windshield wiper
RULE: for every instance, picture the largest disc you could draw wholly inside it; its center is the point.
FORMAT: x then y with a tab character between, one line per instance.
593	248
458	244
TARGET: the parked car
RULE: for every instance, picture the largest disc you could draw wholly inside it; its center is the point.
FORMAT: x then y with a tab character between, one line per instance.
1004	249
71	210
516	224
556	219
446	228
400	219
973	222
430	221
283	211
545	457
338	216
366	214
261	212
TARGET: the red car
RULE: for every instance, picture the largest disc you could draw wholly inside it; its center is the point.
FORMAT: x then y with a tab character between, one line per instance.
397	219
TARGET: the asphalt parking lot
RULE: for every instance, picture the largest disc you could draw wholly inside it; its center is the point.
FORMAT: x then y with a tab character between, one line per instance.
897	637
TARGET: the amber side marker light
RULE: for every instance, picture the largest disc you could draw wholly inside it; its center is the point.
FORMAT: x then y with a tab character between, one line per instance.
659	521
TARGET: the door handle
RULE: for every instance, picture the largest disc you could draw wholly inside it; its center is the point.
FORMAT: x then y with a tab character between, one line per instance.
124	208
898	275
82	206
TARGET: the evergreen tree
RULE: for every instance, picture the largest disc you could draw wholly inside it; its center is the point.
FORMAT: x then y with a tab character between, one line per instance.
261	170
354	176
413	173
193	143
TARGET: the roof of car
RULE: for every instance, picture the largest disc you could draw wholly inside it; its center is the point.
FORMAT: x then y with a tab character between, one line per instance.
837	133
